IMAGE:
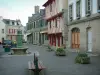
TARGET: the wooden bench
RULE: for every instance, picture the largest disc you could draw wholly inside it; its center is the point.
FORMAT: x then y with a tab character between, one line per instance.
31	66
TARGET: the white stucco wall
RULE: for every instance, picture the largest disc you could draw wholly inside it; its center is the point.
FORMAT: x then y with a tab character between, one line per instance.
2	26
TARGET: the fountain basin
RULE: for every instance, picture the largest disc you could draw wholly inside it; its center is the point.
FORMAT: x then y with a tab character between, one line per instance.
19	51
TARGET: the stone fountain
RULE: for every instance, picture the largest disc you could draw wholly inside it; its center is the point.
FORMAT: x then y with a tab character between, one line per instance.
20	49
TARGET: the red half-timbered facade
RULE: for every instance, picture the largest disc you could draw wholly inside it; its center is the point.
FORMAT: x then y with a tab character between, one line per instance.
54	17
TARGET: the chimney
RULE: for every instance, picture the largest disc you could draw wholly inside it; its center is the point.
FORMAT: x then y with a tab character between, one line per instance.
36	9
1	18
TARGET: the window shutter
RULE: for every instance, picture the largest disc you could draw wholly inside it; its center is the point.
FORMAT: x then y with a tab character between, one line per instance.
9	31
12	30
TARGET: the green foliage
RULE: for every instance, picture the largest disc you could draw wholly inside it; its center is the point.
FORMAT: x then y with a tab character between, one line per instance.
60	50
82	58
49	47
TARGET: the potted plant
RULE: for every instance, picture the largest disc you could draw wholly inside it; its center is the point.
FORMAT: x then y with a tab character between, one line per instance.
82	58
60	51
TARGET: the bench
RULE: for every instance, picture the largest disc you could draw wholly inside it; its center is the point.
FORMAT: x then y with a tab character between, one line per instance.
36	66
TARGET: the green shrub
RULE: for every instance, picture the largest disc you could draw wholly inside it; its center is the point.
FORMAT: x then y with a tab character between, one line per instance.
85	60
82	55
60	50
49	47
82	59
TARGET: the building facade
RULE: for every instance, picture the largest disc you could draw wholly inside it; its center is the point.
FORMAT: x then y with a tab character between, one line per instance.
56	17
37	28
2	30
12	27
84	24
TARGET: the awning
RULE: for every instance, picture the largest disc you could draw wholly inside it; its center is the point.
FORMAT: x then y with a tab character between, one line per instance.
44	31
28	34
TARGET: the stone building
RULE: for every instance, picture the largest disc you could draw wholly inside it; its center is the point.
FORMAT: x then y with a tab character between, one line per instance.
36	27
84	24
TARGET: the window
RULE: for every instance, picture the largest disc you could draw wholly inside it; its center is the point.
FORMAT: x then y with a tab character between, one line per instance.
98	6
46	37
9	31
17	23
71	12
46	23
50	24
13	23
50	7
88	7
41	23
7	22
14	30
2	30
34	36
78	9
34	24
56	23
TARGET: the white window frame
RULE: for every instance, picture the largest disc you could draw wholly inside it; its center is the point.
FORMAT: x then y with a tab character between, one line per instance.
71	12
88	7
98	6
78	9
3	31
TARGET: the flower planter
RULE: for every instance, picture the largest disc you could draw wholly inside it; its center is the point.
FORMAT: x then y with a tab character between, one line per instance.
60	52
7	48
82	59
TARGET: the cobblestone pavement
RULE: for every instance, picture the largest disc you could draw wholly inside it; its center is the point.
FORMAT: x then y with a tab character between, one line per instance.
18	65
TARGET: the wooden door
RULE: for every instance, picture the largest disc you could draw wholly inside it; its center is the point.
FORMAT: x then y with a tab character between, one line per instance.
75	39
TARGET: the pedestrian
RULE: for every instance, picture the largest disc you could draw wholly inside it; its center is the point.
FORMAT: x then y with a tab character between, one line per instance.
15	44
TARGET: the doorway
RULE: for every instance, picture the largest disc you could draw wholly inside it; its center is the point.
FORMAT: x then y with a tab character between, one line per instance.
75	38
89	39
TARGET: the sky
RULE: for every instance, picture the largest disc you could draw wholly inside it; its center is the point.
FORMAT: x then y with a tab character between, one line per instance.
19	9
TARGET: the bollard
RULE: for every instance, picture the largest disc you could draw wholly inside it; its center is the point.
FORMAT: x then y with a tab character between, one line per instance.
36	66
36	72
34	59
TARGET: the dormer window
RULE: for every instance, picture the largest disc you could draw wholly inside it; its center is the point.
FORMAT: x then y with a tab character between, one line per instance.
13	23
17	23
7	22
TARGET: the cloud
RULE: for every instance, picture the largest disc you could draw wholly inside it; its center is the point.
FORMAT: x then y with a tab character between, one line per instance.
22	15
19	10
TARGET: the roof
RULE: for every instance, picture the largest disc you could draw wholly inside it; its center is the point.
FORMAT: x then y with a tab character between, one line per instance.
5	20
48	2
